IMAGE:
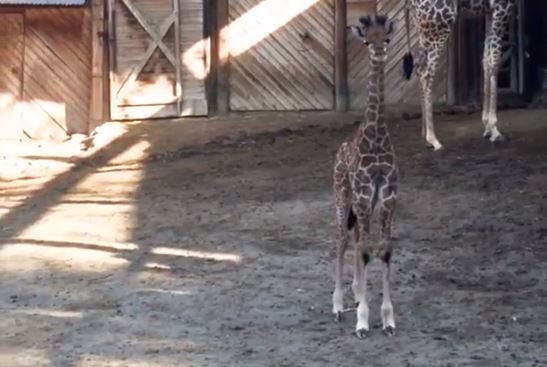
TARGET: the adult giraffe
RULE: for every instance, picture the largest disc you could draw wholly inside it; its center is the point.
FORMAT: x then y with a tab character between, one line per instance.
434	20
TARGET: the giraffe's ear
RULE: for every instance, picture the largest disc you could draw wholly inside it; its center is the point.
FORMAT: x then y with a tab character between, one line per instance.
357	32
390	27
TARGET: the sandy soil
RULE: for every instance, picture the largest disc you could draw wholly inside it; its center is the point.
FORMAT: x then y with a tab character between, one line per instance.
215	253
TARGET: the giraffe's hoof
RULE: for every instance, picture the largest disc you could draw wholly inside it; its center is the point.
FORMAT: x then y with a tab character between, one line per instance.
389	331
434	148
362	333
338	316
499	139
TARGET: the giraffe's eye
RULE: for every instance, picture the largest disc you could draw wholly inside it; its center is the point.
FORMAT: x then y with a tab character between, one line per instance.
367	43
387	40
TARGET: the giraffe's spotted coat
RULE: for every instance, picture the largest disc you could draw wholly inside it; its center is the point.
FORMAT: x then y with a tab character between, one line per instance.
434	20
365	177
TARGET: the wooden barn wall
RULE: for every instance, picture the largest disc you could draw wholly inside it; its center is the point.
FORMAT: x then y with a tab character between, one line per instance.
398	90
57	77
291	68
157	63
51	61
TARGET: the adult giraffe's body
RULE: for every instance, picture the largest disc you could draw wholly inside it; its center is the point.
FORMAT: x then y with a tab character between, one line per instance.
434	20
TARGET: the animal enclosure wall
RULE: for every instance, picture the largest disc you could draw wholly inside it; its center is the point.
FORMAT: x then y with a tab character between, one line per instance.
157	58
45	61
281	54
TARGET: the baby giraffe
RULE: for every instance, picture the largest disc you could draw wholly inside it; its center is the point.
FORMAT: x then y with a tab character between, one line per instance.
365	178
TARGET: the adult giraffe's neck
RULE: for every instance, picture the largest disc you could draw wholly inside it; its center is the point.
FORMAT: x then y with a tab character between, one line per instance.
374	111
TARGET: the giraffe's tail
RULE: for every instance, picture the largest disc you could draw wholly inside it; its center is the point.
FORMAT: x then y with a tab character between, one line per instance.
408	60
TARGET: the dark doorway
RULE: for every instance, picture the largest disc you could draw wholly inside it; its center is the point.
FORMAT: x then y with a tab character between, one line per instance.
535	40
469	46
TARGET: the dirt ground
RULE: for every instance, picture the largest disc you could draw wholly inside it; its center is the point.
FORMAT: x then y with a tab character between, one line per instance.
205	244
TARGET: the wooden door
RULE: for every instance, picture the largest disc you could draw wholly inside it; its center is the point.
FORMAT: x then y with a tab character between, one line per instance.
281	54
155	49
11	71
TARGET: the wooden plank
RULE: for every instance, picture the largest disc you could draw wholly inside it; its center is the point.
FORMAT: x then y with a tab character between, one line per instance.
178	66
340	61
223	70
97	106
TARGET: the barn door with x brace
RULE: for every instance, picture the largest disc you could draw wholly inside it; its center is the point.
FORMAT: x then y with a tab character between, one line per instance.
145	70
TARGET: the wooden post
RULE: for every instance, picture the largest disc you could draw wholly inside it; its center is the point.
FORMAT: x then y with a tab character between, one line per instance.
178	55
340	60
452	67
211	32
97	106
223	62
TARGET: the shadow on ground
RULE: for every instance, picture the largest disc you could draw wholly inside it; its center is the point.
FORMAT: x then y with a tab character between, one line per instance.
212	252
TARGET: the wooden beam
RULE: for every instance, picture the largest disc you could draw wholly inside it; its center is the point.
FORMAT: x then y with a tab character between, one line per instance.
96	105
223	84
112	57
178	55
211	31
340	59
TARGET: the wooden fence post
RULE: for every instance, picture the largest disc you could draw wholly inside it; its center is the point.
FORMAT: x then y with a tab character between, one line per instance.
223	63
97	110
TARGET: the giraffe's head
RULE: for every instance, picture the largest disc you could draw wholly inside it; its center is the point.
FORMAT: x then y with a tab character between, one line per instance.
375	32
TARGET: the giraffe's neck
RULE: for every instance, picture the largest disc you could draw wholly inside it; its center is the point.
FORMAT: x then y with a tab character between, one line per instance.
374	111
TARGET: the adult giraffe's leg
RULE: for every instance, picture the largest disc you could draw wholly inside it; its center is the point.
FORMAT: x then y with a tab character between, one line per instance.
426	69
362	257
342	205
387	211
491	61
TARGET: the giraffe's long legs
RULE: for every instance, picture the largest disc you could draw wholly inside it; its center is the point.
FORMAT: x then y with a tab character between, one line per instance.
362	258
426	69
342	204
486	99
497	24
387	210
